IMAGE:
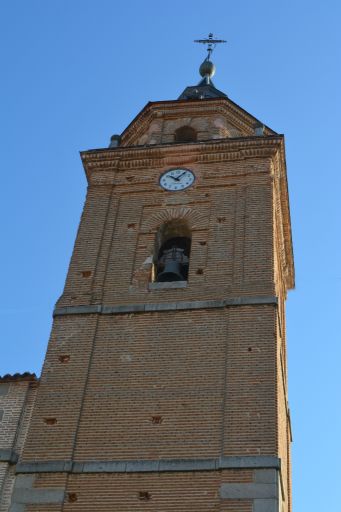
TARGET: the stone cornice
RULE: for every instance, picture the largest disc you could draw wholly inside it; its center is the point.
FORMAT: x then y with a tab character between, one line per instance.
165	306
150	466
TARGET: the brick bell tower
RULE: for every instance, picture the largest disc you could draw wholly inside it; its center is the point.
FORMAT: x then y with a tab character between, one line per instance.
164	386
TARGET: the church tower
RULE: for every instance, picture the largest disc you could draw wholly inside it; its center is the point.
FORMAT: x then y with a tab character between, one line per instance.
164	386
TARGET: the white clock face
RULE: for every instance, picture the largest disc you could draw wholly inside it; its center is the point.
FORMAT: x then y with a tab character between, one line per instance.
177	179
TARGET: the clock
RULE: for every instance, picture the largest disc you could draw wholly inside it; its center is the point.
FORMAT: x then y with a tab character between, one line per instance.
177	179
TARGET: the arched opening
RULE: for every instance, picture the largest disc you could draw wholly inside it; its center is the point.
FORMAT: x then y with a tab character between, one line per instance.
172	252
185	134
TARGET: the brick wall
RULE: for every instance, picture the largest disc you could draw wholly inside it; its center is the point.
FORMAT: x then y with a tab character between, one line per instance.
17	397
230	219
202	382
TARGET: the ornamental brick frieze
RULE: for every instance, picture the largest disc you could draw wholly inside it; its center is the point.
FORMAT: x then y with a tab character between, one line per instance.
237	155
219	151
174	160
282	219
119	155
197	218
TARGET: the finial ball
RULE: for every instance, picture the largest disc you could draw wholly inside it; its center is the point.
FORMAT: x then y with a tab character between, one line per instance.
207	68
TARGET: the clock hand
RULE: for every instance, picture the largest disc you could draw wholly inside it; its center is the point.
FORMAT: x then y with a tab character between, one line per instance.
179	177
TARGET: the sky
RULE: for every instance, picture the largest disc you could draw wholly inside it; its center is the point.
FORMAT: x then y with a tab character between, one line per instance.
74	72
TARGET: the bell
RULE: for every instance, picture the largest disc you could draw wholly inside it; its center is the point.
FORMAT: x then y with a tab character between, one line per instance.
171	272
173	263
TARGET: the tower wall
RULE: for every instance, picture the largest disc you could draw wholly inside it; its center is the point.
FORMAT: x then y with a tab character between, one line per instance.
168	396
230	214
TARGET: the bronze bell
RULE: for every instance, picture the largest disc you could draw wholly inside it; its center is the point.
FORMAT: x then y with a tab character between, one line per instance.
173	263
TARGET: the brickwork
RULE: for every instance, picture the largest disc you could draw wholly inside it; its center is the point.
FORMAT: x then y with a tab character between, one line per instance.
230	238
200	384
212	119
17	397
203	491
7	484
148	372
194	491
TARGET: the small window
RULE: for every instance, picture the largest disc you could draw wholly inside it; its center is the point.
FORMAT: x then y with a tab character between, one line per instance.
185	134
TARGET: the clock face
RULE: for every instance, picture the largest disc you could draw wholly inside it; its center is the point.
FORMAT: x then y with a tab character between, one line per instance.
177	179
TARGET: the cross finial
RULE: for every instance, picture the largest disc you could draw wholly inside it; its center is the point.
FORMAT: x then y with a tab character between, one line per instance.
211	44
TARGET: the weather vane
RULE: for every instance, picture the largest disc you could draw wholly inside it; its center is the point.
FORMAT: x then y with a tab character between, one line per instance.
211	44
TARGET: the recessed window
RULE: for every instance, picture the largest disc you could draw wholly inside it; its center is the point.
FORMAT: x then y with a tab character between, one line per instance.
185	134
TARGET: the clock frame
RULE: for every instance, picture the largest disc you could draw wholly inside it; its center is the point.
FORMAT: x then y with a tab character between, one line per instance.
176	179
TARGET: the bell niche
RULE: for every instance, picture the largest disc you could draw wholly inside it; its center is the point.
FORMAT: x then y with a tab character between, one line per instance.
172	252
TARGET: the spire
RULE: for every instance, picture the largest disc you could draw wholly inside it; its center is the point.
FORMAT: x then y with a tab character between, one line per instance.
207	68
205	88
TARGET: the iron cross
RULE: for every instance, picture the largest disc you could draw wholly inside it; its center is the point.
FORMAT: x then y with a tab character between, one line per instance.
211	43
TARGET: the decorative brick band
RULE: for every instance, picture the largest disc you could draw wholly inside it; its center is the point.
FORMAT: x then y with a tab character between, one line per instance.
163	306
150	466
8	455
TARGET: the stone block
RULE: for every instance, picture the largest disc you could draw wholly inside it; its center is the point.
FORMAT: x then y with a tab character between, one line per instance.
237	491
24	481
270	505
137	466
253	461
4	388
37	496
265	476
166	286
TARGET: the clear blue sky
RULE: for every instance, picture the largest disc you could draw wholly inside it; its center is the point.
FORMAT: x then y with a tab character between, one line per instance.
76	71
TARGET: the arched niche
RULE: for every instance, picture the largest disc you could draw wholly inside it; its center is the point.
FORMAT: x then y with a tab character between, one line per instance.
185	134
172	251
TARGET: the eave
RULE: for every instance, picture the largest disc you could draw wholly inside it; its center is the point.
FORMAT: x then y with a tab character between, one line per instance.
174	107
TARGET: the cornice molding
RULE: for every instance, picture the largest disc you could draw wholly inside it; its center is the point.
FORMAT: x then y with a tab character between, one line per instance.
150	465
102	309
282	215
227	149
